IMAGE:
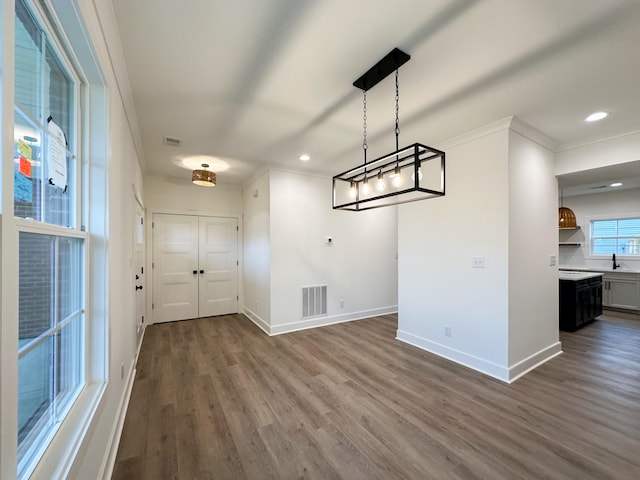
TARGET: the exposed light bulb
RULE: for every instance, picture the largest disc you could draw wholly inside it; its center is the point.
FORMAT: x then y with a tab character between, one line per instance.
353	190
397	177
365	186
420	175
380	183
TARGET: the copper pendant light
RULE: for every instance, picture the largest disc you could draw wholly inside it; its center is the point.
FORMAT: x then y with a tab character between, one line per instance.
204	177
566	217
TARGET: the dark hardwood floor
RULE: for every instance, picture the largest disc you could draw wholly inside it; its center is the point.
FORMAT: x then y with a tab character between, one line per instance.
216	398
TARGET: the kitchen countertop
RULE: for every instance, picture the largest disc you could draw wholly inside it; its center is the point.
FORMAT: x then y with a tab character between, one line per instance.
596	269
576	276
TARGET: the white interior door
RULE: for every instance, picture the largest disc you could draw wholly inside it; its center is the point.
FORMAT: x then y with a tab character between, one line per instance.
218	266
175	266
138	267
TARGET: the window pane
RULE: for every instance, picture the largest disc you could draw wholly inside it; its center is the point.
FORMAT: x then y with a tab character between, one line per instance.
69	279
70	365
51	333
36	284
34	393
27	167
50	378
28	62
58	94
620	236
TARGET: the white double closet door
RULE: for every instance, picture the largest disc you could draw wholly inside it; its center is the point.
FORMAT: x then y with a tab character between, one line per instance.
195	265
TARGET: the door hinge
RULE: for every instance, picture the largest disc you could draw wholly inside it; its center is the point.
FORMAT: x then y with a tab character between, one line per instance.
237	228
153	224
142	319
153	305
237	263
141	269
153	264
237	297
141	221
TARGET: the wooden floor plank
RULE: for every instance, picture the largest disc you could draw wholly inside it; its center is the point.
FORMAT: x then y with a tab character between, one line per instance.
217	398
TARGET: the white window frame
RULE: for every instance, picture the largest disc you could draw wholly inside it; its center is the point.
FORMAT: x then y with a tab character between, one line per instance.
91	223
588	237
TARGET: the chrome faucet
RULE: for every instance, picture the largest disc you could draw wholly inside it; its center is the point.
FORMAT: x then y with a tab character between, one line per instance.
614	262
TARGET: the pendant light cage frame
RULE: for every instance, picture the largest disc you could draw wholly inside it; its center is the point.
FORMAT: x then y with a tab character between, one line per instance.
421	168
415	172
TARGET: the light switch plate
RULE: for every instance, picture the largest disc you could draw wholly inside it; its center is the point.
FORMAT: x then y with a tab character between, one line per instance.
552	260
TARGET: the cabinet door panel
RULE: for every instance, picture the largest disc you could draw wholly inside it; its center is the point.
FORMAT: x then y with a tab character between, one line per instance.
623	294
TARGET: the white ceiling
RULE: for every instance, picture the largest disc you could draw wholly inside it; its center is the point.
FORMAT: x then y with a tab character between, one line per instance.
257	83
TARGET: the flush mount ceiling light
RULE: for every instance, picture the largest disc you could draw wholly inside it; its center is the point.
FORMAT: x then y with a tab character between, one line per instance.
616	184
305	157
415	172
594	117
204	177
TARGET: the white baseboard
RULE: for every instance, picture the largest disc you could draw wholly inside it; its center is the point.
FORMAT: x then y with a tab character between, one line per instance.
330	320
257	319
502	373
534	361
316	321
484	366
109	460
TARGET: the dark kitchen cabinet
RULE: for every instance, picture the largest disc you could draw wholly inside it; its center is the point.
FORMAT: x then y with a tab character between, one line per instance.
580	302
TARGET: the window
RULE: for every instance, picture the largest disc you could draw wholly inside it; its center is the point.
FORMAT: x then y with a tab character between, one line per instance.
51	244
618	235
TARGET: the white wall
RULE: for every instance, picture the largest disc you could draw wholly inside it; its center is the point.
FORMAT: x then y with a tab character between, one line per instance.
608	204
359	267
614	151
533	281
257	251
437	240
501	205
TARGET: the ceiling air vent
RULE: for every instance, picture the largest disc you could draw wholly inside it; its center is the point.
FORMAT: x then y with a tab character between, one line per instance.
597	187
172	142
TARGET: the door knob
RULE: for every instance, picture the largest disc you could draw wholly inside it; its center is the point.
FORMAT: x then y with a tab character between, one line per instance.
201	271
138	287
195	272
137	277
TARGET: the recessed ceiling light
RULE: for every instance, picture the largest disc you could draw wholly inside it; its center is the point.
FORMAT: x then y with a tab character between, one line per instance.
305	157
616	184
594	117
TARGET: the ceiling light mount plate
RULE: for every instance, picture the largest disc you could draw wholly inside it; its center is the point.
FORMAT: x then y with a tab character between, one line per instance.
388	64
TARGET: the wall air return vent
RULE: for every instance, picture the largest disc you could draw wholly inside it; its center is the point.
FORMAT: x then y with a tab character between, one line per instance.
172	142
314	301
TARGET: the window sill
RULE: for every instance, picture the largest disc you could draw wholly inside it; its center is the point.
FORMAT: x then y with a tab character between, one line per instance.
63	449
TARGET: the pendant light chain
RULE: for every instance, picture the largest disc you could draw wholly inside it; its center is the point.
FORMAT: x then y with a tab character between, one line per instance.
364	125
397	110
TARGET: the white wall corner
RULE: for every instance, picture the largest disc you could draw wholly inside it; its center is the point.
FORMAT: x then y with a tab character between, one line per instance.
475	363
472	135
533	134
534	361
258	320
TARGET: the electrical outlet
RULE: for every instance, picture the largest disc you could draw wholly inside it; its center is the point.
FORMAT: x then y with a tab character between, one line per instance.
552	260
447	331
477	262
341	303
